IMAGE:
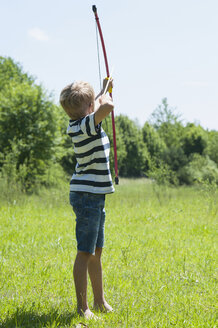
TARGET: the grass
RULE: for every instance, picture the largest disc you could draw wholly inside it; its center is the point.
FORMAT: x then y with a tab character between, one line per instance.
159	258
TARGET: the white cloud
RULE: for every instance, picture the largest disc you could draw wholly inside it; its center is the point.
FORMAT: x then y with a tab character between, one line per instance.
38	34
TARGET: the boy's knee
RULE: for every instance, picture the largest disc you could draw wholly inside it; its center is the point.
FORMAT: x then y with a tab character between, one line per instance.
83	255
98	251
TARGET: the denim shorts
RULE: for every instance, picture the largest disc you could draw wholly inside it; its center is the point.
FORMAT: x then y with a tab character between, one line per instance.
90	220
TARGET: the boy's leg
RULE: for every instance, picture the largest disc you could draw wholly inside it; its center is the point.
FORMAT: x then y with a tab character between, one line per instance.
80	279
95	274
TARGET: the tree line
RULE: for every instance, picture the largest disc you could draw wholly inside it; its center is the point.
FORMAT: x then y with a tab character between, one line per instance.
35	149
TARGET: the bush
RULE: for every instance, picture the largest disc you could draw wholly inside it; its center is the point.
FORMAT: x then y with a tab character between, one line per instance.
200	169
163	175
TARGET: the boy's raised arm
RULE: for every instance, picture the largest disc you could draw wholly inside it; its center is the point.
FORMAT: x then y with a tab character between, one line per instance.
104	107
103	102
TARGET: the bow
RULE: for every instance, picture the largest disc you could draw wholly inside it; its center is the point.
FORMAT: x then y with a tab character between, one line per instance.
110	92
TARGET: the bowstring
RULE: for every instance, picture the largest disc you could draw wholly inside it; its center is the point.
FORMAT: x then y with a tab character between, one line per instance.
99	67
98	53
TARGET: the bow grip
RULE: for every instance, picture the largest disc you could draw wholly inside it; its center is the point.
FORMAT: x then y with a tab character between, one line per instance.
110	89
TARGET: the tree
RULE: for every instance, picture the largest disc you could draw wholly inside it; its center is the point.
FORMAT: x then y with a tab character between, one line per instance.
194	139
164	114
212	146
137	157
153	141
29	124
168	125
11	71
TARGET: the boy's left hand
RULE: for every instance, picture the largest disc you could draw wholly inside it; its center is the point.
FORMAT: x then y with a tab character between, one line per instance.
110	84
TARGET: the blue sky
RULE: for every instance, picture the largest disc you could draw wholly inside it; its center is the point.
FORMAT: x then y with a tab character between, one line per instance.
157	48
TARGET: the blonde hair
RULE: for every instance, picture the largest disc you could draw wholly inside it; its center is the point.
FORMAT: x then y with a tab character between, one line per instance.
75	98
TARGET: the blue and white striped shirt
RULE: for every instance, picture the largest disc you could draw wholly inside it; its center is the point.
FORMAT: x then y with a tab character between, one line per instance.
92	148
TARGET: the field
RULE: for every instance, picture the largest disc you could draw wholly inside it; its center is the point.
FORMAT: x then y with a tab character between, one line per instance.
158	262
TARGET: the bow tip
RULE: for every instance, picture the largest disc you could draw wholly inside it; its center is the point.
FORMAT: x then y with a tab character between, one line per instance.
94	8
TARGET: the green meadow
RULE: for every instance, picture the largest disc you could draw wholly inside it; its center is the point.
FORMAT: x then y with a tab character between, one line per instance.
159	258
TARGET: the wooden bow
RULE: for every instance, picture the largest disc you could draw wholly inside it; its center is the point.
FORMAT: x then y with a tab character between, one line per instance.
108	76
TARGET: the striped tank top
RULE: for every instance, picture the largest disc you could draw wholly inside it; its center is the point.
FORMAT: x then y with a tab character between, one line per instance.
92	148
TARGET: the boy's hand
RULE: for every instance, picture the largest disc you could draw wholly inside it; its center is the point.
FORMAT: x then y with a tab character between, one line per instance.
105	100
104	108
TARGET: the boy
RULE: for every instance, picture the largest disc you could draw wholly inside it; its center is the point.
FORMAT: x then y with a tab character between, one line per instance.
89	184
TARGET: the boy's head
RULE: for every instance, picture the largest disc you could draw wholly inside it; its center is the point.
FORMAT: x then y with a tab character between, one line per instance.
77	99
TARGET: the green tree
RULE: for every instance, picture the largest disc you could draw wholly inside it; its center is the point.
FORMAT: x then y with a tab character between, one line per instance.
12	71
155	145
194	139
212	146
29	123
169	127
136	161
164	114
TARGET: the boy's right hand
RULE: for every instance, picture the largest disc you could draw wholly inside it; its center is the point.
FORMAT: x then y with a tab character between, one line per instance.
105	99
104	108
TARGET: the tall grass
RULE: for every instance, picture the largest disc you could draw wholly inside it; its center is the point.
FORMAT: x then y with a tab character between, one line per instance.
158	261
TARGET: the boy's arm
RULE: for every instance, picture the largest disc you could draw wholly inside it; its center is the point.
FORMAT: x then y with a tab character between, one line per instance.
103	102
104	107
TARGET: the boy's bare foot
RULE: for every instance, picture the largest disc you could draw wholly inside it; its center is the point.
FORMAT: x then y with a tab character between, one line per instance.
88	314
104	307
81	325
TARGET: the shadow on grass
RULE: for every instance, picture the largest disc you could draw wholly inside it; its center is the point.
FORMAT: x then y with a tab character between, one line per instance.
31	319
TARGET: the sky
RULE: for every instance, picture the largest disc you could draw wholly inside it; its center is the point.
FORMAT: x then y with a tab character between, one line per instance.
158	49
